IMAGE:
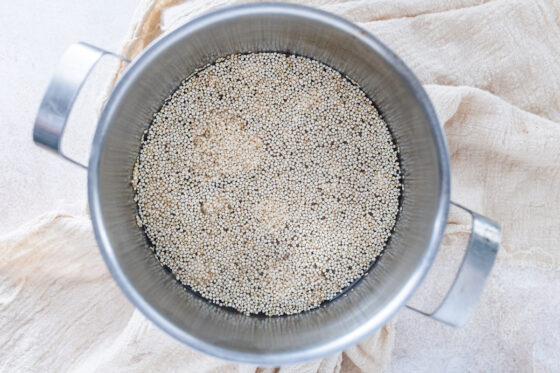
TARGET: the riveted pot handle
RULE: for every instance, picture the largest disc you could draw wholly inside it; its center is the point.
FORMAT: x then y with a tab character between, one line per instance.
69	77
479	258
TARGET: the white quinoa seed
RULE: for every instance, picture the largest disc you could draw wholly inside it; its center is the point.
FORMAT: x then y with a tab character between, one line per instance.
267	183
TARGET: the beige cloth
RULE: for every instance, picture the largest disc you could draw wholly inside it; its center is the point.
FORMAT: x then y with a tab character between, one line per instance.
491	70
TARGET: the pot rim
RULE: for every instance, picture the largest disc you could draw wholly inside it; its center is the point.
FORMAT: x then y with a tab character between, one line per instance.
328	347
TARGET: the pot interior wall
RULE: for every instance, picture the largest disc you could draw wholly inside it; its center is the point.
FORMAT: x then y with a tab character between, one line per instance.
128	113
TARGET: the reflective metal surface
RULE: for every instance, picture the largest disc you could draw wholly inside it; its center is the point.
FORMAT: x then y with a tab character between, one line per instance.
399	97
482	249
73	69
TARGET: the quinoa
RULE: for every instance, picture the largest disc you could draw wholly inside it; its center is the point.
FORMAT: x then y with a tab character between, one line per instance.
267	183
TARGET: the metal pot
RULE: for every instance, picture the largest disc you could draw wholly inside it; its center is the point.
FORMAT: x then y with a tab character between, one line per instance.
152	76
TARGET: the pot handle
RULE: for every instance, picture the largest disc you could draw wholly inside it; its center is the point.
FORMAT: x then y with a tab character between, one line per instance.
72	71
479	258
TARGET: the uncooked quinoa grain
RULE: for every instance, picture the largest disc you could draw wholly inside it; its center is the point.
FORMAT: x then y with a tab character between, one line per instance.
267	183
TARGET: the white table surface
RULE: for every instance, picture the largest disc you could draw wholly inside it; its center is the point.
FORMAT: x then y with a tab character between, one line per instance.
34	36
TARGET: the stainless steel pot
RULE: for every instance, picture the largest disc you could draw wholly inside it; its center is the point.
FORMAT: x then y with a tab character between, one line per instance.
152	76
